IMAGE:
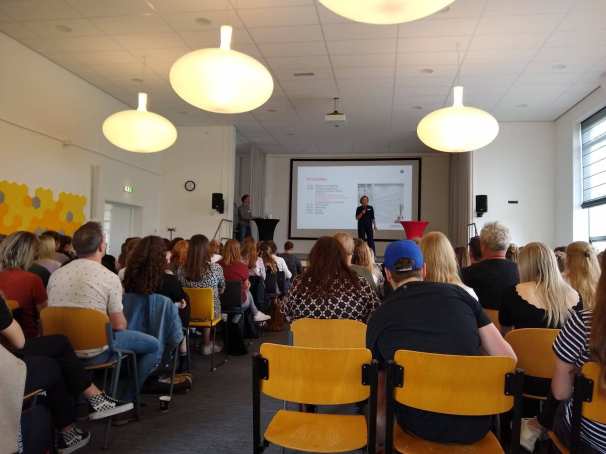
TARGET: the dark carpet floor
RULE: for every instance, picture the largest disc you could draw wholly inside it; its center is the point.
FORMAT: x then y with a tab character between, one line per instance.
214	417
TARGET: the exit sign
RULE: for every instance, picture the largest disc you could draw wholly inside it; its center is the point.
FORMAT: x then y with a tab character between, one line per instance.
129	188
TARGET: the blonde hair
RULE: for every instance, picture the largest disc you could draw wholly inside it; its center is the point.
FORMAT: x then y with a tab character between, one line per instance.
583	271
18	250
346	241
440	258
538	264
231	253
362	255
47	247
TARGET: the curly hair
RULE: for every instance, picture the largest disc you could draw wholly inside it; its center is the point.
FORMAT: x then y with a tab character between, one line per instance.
495	236
146	266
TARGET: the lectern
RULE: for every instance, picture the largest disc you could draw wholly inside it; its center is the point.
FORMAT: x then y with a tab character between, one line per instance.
266	228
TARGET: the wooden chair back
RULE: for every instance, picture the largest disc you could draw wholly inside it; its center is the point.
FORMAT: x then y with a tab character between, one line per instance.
455	385
319	376
202	303
596	408
85	328
533	347
321	333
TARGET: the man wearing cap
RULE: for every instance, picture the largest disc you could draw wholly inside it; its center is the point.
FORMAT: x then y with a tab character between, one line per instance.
433	318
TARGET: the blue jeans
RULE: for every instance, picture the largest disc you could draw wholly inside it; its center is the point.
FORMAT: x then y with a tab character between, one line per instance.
145	346
244	230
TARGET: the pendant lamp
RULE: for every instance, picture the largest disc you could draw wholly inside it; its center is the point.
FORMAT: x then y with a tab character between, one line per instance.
221	80
138	130
385	11
457	128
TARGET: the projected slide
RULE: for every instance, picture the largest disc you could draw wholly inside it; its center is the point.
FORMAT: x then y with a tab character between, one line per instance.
325	194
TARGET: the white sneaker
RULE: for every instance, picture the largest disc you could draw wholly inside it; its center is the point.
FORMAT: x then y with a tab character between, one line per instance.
218	348
261	317
529	433
207	349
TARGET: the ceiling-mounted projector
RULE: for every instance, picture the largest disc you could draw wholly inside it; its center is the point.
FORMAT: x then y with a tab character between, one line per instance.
335	118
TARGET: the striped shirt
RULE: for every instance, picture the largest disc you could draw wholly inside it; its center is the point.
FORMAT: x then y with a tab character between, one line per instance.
572	347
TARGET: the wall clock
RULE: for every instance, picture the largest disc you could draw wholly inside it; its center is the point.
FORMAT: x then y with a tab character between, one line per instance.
190	185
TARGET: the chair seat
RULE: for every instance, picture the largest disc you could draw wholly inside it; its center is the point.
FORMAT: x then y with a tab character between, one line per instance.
313	432
205	323
556	441
410	444
104	365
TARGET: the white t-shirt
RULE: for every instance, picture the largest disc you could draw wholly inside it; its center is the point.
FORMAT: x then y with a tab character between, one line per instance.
216	258
282	266
258	270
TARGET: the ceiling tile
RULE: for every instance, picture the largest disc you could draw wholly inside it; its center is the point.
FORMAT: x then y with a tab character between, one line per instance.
108	8
62	28
286	16
534	24
23	10
301	49
269	3
434	28
300	63
211	38
354	30
302	33
197	22
438	44
363	60
362	46
498	7
149	41
186	6
128	25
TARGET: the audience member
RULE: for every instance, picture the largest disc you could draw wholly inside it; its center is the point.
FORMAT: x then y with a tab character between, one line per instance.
53	366
109	262
513	252
86	283
46	252
441	262
583	271
462	254
560	253
173	242
293	263
475	251
66	247
178	255
125	251
347	242
434	318
255	264
493	274
329	288
214	250
542	299
199	272
582	339
17	253
281	264
234	269
58	256
364	257
244	218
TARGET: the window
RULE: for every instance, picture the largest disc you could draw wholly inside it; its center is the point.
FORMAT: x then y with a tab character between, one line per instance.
593	147
597	227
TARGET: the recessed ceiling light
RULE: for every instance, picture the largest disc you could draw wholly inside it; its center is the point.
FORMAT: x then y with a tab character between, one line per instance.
308	74
203	21
417	107
522	106
427	71
559	67
63	28
137	80
271	110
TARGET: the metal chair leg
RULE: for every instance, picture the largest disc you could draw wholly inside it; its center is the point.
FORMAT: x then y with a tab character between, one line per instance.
135	378
113	393
212	351
174	373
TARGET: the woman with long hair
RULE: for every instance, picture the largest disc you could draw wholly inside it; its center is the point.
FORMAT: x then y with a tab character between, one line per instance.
234	269
125	251
582	339
328	288
441	261
542	299
582	271
462	255
364	257
199	272
178	255
250	257
17	253
46	253
214	251
513	253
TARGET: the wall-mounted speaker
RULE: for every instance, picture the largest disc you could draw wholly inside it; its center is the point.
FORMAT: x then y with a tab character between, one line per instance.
218	203
481	205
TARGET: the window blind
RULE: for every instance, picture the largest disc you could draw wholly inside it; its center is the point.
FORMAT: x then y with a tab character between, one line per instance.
593	147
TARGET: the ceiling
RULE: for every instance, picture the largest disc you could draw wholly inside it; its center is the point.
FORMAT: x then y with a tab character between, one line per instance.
522	60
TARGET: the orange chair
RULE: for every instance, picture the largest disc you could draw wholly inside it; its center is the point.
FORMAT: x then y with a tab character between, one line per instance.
589	402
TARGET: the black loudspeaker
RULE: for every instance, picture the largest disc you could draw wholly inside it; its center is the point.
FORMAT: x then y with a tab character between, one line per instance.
218	203
481	205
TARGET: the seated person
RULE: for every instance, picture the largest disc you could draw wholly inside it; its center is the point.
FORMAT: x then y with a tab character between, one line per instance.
86	283
17	253
53	366
582	271
293	263
234	269
46	252
494	274
347	241
280	262
542	299
434	318
582	339
328	288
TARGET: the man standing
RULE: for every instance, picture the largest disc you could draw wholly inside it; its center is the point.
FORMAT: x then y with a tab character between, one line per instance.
365	214
244	218
494	274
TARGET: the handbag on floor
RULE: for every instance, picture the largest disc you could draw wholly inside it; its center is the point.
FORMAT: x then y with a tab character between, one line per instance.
277	322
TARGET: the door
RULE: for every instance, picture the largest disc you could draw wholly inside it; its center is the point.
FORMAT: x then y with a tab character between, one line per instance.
118	220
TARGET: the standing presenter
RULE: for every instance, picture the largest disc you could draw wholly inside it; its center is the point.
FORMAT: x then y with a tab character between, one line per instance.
365	214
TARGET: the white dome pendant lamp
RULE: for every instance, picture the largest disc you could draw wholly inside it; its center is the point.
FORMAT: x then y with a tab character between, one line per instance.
221	80
138	130
458	128
383	12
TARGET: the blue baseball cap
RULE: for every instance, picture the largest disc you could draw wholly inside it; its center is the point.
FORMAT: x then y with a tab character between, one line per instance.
403	249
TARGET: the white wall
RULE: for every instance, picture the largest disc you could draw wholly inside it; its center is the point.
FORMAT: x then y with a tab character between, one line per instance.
205	155
570	219
519	165
434	195
41	102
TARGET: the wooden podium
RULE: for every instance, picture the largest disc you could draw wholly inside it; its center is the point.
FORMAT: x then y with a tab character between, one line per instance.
414	229
266	228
